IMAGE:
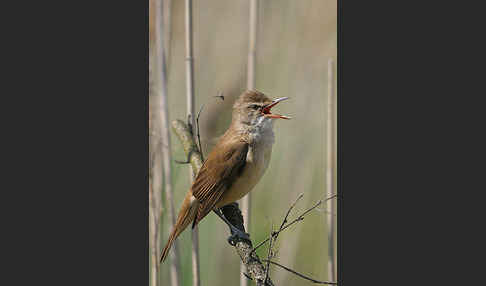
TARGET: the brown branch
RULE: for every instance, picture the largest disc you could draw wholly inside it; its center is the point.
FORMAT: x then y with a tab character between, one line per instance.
255	268
184	134
301	275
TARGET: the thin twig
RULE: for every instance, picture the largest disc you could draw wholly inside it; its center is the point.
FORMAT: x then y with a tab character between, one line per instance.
247	276
188	160
288	212
198	134
299	218
220	95
301	275
269	255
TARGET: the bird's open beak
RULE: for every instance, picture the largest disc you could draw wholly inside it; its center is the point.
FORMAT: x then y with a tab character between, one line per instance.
266	110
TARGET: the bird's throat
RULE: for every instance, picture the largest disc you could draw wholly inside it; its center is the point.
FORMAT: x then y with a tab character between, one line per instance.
261	132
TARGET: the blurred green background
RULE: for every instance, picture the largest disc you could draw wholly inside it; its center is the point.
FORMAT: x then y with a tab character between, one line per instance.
295	40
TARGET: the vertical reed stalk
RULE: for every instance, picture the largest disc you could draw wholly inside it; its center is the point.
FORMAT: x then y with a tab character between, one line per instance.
168	31
161	86
252	44
331	228
190	97
189	65
246	201
154	251
153	229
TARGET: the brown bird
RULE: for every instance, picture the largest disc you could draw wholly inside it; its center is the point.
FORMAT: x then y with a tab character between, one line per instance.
234	166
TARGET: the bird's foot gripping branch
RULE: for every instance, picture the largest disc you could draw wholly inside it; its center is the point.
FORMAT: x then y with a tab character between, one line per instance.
237	233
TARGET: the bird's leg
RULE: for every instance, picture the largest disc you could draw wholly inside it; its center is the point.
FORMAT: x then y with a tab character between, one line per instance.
235	232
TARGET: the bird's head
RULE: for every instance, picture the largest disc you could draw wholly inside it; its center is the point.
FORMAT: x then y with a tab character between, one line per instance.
254	108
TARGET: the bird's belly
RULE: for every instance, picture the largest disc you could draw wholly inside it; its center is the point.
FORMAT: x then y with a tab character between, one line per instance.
256	165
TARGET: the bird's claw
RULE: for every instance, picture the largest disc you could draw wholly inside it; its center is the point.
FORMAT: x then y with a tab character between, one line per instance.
237	235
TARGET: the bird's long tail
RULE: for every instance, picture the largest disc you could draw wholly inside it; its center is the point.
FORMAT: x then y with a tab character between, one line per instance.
186	216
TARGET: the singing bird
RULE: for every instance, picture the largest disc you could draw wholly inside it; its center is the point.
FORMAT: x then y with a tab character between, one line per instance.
234	166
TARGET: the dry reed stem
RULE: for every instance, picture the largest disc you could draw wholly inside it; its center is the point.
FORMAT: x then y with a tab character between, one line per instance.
168	31
161	86
330	172
246	201
154	269
190	97
153	229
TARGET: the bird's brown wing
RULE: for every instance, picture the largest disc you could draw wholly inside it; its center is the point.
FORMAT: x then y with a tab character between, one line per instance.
217	174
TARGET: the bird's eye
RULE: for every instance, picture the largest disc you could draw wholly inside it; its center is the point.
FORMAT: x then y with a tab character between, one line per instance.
255	106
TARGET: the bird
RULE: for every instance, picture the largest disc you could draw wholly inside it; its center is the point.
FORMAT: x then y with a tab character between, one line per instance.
234	166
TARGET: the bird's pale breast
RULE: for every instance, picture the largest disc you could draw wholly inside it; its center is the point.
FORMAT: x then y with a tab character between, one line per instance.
257	160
